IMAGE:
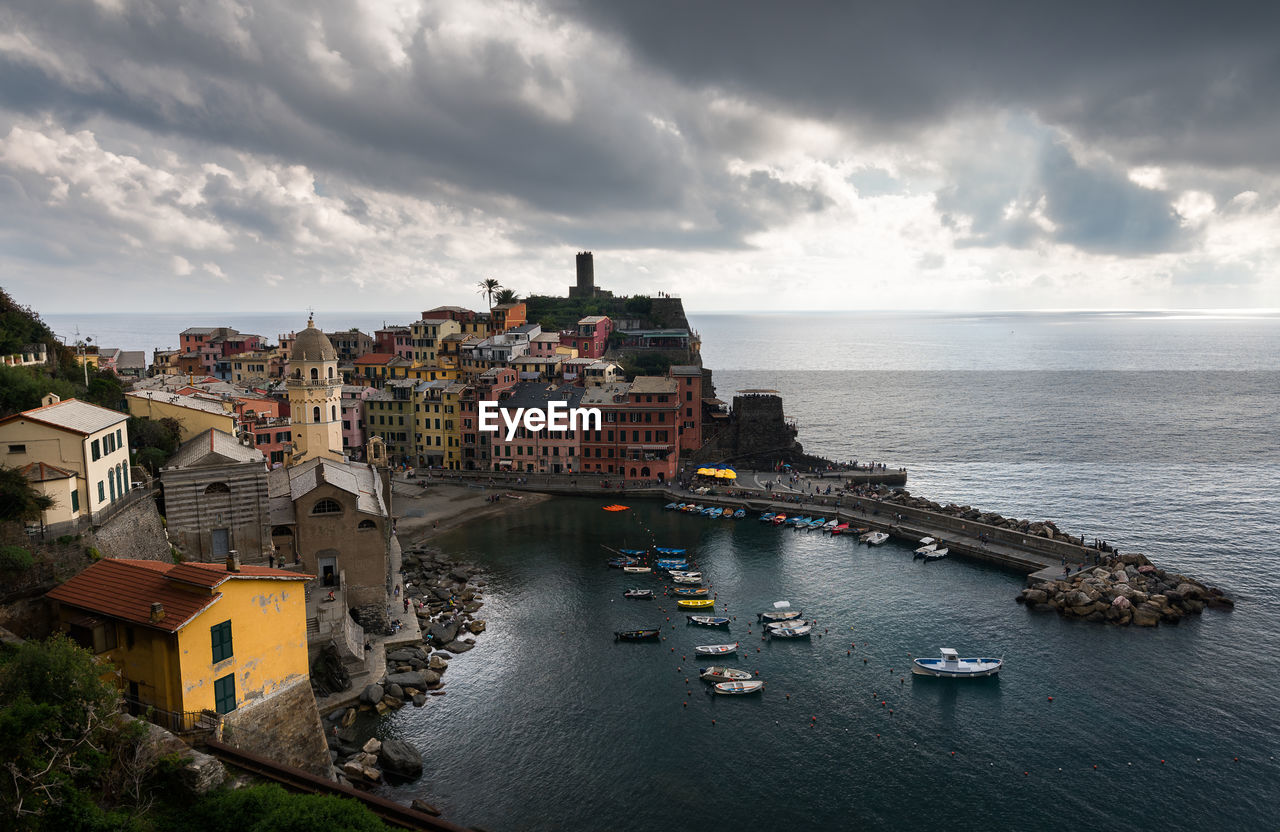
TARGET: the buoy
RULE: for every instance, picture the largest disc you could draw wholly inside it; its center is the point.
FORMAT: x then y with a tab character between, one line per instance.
864	661
847	652
1095	768
686	704
1026	774
713	722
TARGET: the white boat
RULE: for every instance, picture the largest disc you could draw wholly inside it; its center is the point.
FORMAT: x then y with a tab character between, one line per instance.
780	615
738	687
790	632
678	573
951	665
636	569
936	554
686	579
719	673
926	549
874	538
830	524
716	649
925	541
788	624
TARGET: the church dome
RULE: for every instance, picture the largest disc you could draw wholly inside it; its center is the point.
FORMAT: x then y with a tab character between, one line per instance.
312	345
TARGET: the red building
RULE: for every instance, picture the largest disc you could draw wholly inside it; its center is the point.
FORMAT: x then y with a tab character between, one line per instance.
477	445
638	439
396	340
591	338
688	378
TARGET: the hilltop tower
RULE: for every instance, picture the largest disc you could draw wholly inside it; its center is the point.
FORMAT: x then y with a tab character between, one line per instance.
586	286
314	397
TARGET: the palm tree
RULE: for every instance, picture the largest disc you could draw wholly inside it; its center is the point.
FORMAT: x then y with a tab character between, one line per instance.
506	296
488	287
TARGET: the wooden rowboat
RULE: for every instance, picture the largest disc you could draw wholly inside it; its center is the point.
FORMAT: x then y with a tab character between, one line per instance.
738	687
708	620
696	603
636	635
719	673
715	649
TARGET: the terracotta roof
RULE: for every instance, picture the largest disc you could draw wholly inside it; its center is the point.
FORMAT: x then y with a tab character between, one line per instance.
125	589
43	472
375	358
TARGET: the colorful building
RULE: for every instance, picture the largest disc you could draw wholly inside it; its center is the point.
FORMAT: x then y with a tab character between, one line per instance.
376	368
195	414
506	316
591	337
91	441
396	340
689	385
427	334
389	413
537	451
638	439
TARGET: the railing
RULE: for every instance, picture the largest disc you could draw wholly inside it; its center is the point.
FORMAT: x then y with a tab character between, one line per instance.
176	722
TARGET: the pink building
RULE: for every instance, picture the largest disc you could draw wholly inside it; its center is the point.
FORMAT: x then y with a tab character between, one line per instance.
541	451
397	340
591	338
352	403
544	345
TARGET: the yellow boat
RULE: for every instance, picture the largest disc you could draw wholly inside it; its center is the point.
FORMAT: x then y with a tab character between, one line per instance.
696	603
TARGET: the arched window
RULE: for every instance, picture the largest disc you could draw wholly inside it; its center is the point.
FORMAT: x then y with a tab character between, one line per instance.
330	372
217	488
333	412
315	414
326	506
315	374
364	525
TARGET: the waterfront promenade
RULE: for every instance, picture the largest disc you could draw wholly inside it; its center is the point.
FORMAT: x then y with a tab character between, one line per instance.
1042	557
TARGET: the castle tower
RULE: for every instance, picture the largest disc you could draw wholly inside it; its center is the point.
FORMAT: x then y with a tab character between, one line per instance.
314	397
586	286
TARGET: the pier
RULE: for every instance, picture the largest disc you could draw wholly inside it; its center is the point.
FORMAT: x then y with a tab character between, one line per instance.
1040	557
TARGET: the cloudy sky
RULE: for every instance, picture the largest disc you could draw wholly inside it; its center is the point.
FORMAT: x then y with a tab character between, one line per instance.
236	155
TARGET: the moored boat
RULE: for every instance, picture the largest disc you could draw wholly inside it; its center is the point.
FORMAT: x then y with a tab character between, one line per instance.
682	573
638	593
716	649
708	620
817	524
767	517
670	506
719	673
618	563
925	550
779	615
667	550
790	632
636	635
738	687
950	665
831	525
696	603
739	514
779	519
636	569
686	579
874	538
633	553
937	554
677	564
688	591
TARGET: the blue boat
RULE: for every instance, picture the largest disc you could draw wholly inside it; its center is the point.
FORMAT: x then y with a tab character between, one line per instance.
713	512
665	550
636	552
797	521
816	524
767	517
739	514
670	506
672	563
618	563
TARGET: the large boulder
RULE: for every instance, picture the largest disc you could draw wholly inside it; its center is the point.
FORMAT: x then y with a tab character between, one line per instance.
372	694
398	757
458	646
414	679
1188	590
1146	615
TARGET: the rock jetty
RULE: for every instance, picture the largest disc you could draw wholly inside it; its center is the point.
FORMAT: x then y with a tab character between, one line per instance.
1035	528
1128	589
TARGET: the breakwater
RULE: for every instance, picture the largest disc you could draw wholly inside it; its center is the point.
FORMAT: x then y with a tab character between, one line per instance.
1054	562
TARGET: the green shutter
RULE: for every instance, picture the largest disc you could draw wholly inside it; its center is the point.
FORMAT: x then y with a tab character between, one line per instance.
220	636
224	694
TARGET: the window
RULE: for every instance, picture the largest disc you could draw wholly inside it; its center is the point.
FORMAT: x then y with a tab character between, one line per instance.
315	374
102	491
220	635
96	449
327	506
364	525
119	438
315	414
224	694
217	488
17	449
75	499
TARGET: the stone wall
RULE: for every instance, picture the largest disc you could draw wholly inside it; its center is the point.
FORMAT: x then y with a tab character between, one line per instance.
193	511
757	435
135	532
284	727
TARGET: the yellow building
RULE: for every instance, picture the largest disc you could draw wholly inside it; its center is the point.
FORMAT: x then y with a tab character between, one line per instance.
315	392
194	415
91	441
59	485
190	637
427	334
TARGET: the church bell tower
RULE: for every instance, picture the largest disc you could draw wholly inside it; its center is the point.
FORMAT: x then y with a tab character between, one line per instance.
315	397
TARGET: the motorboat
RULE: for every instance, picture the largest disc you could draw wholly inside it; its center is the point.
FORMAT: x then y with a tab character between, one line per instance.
738	687
788	624
670	506
696	509
689	591
951	665
767	517
666	550
672	563
831	525
816	524
677	573
936	554
635	553
638	593
719	673
696	603
928	548
799	631
779	519
708	620
637	635
874	538
796	522
636	569
778	615
716	649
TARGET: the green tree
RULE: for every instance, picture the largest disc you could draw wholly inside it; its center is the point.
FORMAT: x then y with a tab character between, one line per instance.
489	287
271	809
19	499
21	388
105	390
506	296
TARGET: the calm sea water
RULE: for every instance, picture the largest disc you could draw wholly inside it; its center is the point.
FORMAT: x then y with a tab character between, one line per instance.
1155	431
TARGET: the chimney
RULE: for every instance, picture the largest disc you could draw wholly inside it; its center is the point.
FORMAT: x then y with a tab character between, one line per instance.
52	398
157	612
233	561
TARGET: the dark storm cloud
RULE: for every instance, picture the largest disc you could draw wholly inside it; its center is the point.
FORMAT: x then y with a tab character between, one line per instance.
1166	82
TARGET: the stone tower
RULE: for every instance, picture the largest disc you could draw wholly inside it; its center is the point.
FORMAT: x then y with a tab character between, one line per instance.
586	286
314	397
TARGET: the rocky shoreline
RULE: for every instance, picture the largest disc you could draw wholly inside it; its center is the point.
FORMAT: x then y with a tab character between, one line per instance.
446	595
1126	589
1037	528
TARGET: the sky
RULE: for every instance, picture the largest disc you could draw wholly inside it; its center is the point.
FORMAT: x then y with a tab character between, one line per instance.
235	155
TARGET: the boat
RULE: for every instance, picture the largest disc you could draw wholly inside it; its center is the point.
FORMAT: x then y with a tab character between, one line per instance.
817	524
716	649
633	552
669	506
666	550
874	538
738	687
680	573
779	519
926	550
690	591
739	514
830	525
778	615
925	541
636	635
636	569
683	579
787	624
767	517
672	563
797	521
936	554
618	563
696	603
840	529
708	620
951	665
638	593
714	511
720	673
693	508
799	631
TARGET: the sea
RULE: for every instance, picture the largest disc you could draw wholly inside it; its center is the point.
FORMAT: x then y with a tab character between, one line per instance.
1156	431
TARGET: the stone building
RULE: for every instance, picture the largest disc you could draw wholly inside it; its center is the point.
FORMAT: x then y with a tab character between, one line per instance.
215	495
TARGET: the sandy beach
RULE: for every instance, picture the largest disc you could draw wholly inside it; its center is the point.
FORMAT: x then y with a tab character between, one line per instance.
424	511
